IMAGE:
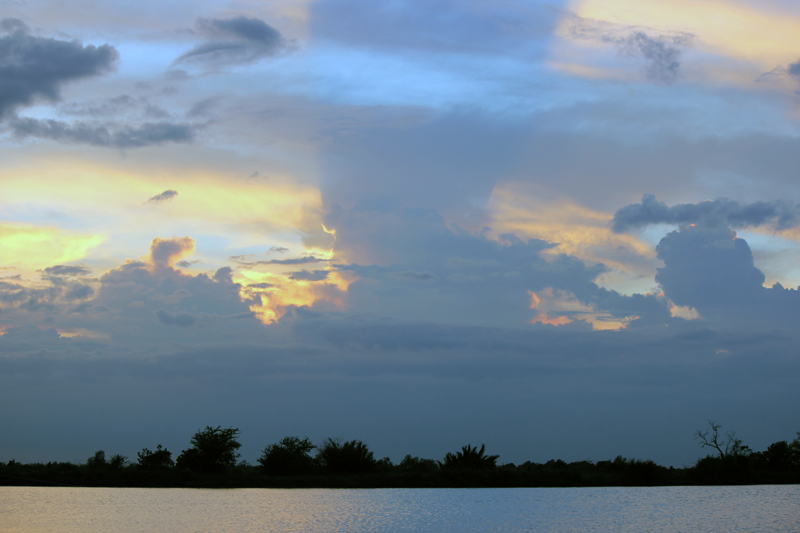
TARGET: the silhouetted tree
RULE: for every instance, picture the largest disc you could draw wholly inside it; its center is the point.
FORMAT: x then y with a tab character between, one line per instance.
117	461
469	458
290	457
727	446
416	465
161	458
352	457
98	460
213	450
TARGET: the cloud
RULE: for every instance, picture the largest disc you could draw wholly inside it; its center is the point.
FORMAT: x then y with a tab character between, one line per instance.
295	261
661	49
794	69
177	319
35	67
169	194
114	107
165	252
236	40
720	212
414	275
469	278
67	270
662	53
305	275
38	247
242	260
79	291
435	29
712	270
146	134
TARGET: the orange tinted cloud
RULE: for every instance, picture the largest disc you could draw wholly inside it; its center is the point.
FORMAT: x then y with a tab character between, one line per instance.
578	231
166	252
275	292
558	308
551	320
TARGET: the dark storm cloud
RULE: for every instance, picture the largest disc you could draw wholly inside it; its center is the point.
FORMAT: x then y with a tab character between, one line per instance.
35	67
146	134
662	53
169	194
712	270
237	40
67	270
389	383
719	212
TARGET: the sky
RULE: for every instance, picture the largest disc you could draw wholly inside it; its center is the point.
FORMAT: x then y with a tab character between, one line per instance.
562	229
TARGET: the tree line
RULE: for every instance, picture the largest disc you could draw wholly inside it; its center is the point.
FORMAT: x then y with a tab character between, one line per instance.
213	460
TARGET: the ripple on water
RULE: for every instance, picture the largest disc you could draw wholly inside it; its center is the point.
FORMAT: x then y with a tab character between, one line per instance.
760	508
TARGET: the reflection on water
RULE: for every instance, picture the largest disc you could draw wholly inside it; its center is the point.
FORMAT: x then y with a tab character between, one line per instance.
668	509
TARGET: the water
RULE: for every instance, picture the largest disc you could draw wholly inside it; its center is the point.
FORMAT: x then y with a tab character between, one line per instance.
663	509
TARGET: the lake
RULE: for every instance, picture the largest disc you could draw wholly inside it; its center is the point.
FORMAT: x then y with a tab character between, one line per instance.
760	508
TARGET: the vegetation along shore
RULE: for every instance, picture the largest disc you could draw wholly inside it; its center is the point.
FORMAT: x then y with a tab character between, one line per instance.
212	461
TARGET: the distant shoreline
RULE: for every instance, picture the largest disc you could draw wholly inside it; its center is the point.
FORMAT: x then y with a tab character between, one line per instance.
554	474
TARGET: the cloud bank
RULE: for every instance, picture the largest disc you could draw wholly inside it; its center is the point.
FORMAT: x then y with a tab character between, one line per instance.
780	214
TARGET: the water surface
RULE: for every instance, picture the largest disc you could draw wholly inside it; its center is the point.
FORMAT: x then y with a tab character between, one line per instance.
660	509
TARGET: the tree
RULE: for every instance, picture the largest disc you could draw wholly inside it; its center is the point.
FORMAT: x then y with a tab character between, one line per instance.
469	458
726	446
161	458
98	461
117	461
213	450
290	457
352	457
417	465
